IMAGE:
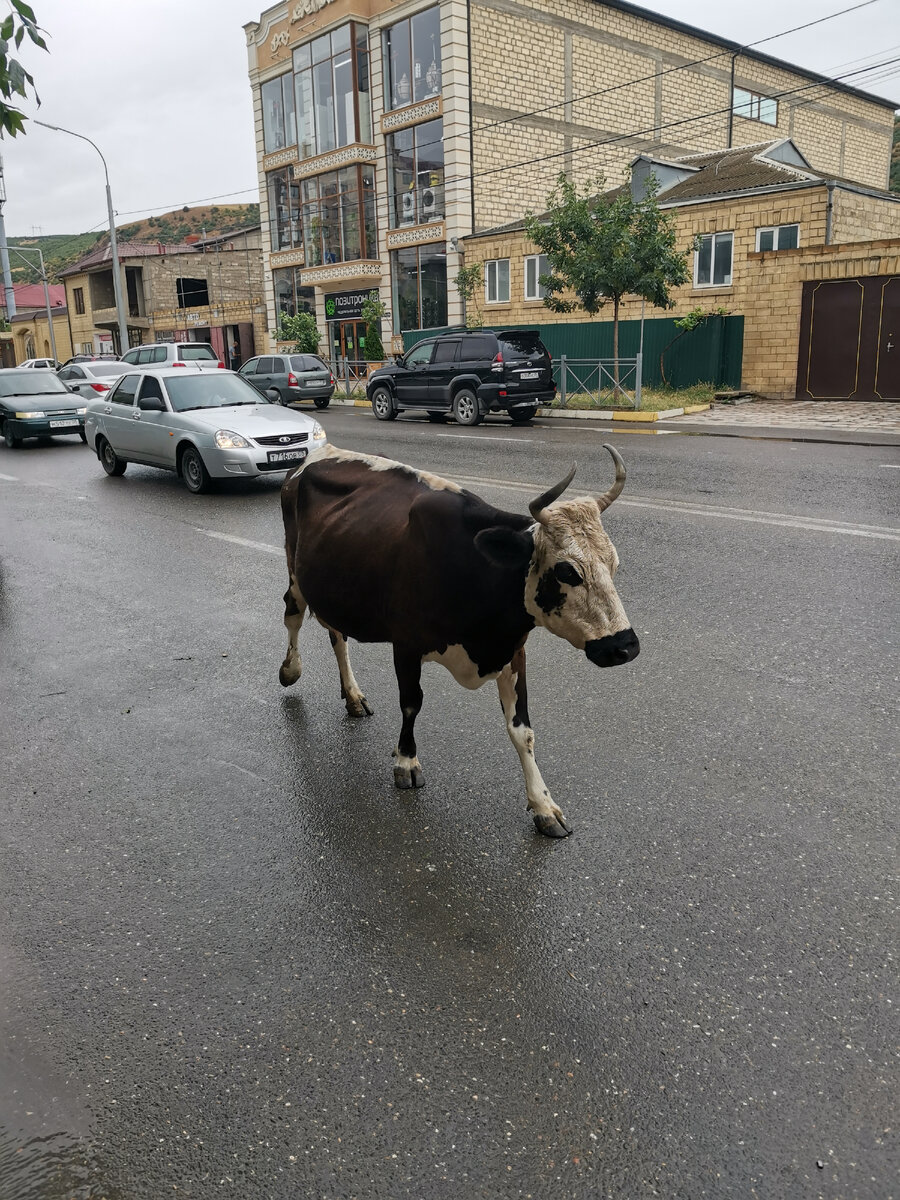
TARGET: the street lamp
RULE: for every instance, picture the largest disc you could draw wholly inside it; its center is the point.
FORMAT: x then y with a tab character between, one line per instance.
113	244
21	254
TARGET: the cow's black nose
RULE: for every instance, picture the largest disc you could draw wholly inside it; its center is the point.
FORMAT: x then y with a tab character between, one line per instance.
614	650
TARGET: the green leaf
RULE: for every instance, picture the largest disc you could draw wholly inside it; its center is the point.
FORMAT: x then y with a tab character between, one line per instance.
24	10
6	29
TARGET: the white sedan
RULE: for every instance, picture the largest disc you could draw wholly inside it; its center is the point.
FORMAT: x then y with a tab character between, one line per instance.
204	425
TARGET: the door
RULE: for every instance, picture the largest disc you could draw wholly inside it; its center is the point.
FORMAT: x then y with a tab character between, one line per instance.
152	436
442	369
115	418
248	371
850	339
411	381
265	368
348	339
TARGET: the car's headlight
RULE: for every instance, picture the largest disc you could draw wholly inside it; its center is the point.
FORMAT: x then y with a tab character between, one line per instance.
227	439
81	411
25	416
319	434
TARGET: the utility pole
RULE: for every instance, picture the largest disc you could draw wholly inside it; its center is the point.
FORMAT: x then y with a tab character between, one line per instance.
4	254
21	254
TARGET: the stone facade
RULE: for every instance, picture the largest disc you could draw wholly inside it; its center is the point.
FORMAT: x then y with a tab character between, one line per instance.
31	335
766	288
594	83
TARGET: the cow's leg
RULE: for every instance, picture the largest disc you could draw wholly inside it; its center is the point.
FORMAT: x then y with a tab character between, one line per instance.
548	817
351	694
407	769
294	612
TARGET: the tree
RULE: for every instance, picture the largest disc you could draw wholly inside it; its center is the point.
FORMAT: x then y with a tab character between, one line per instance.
687	324
14	79
301	330
469	282
604	247
372	313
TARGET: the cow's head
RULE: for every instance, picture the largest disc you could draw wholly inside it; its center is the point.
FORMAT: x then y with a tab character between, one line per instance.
569	585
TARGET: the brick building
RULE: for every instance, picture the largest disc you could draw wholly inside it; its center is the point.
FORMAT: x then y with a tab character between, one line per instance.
208	290
376	156
767	224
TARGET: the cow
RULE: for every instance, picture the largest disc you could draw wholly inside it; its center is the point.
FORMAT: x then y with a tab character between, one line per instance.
382	552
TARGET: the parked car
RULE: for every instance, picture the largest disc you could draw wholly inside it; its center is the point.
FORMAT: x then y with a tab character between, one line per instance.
45	364
80	358
468	375
204	425
90	379
287	378
173	354
37	404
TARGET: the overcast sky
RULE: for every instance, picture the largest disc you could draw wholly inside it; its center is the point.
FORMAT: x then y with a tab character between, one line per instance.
161	87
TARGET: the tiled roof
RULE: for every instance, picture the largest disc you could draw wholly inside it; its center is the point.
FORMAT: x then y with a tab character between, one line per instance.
96	258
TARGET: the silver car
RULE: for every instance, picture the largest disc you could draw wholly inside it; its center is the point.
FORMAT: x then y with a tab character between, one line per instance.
204	425
157	355
90	379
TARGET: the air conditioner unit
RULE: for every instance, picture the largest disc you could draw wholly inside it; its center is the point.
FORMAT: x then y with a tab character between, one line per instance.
408	209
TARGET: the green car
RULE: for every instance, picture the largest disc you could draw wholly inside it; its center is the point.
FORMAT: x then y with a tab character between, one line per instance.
37	404
287	378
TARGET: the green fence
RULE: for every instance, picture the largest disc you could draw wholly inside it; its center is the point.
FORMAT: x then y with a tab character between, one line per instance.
711	353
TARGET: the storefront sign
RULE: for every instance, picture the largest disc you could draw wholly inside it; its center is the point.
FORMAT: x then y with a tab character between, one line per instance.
347	306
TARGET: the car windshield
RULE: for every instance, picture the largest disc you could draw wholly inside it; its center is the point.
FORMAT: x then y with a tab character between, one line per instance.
27	383
212	390
307	362
105	368
195	351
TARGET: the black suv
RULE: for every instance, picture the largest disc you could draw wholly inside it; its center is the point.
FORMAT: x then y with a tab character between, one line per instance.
468	375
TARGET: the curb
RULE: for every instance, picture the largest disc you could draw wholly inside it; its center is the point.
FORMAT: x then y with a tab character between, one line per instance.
613	414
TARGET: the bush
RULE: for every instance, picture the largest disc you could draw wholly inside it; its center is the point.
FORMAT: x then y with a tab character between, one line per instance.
372	312
301	330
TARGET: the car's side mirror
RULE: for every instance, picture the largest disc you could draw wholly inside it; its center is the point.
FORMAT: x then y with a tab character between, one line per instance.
151	404
398	359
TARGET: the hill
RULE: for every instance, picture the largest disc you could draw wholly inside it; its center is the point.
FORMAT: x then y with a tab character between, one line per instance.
62	249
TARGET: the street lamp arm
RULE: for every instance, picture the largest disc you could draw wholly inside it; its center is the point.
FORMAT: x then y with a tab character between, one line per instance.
71	133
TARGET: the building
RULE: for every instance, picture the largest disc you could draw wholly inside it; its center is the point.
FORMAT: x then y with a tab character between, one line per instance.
376	156
29	330
208	290
767	228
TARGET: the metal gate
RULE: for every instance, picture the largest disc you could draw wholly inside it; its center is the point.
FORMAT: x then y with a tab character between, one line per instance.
850	339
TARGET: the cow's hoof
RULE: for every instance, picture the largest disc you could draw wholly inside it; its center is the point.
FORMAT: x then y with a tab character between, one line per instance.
288	675
359	707
406	777
554	827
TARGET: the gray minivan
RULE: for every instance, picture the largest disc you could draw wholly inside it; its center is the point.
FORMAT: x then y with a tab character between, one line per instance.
287	378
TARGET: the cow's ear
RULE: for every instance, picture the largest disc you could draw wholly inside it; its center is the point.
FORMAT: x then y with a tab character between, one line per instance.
505	547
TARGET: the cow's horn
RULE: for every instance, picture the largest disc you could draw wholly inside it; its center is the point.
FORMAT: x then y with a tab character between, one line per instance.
536	507
607	498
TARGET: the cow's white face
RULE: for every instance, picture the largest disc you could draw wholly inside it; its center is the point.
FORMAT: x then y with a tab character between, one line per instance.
569	589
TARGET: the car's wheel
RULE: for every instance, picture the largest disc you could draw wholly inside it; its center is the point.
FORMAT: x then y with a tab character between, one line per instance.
465	408
274	396
383	404
193	471
109	460
519	416
82	435
437	417
323	402
10	438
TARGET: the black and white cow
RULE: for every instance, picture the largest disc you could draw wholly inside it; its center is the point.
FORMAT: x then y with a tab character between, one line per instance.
381	552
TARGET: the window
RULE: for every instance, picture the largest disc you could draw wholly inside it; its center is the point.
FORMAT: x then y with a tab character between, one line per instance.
416	174
78	297
150	388
419	277
307	362
496	281
536	265
290	295
125	390
478	347
191	351
338	213
159	354
284	209
412	59
250	367
131	356
446	351
754	106
778	237
279	123
420	355
712	260
331	90
192	293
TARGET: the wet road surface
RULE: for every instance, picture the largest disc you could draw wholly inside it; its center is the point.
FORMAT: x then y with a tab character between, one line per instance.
235	961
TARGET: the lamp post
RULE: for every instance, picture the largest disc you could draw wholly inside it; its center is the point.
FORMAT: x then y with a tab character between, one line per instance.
21	254
4	256
113	243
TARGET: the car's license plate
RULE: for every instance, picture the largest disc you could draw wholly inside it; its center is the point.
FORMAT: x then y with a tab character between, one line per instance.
278	456
63	424
529	375
315	380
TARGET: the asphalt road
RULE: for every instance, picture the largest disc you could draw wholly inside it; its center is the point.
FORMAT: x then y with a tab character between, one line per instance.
234	961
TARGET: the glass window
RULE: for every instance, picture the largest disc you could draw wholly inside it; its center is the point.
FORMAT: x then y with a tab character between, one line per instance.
536	265
78	296
420	355
279	123
125	390
419	278
338	212
445	352
284	210
363	89
307	362
412	58
778	237
158	355
150	388
496	281
478	347
331	112
754	107
191	351
416	174
250	367
712	260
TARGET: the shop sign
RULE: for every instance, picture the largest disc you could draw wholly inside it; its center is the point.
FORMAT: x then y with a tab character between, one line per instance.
347	306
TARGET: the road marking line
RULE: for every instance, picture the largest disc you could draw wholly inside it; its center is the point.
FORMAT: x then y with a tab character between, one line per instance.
239	541
10	478
482	437
889	466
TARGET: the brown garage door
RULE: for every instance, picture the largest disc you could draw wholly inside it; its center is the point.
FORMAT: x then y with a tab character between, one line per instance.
850	339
